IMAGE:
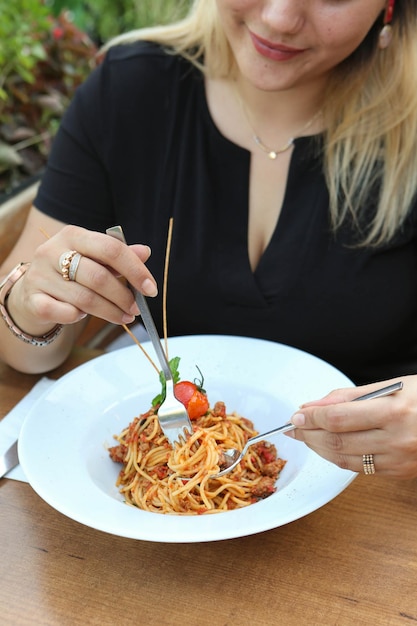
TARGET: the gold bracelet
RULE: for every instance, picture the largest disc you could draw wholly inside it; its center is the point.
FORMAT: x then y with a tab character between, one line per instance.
5	289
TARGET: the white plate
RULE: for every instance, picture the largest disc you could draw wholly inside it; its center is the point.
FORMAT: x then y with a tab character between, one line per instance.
64	439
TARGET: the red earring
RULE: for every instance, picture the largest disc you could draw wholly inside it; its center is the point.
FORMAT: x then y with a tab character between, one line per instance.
385	36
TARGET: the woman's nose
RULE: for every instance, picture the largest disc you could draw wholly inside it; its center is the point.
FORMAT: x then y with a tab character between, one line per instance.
285	16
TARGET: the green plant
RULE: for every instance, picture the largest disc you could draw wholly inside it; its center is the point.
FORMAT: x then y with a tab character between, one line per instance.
42	60
104	19
45	53
20	52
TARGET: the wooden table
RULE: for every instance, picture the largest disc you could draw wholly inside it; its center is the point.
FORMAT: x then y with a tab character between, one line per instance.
354	561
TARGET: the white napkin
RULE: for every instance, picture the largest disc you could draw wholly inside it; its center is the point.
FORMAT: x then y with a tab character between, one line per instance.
11	424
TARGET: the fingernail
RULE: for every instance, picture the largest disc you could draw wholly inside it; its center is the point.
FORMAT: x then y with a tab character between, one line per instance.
149	288
298	419
82	316
145	249
128	319
134	309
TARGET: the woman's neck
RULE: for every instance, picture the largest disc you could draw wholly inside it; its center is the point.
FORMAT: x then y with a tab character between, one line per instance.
292	109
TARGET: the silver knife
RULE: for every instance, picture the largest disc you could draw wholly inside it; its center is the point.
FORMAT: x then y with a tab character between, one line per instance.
9	459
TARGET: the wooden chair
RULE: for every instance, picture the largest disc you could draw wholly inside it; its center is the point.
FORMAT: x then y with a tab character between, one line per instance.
13	214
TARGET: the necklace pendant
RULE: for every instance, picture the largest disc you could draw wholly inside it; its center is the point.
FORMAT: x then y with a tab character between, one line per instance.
272	155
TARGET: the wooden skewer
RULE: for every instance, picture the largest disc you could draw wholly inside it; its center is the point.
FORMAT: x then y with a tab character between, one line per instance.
137	342
44	233
165	285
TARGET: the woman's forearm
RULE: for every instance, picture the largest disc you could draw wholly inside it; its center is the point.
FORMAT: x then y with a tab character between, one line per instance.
35	359
25	343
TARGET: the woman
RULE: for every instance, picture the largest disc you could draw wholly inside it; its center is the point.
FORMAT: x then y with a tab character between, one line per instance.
280	136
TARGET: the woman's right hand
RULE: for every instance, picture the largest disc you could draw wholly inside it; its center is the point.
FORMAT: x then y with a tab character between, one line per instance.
42	298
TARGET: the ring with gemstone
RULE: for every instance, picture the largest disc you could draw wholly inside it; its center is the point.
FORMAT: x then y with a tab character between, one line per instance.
368	464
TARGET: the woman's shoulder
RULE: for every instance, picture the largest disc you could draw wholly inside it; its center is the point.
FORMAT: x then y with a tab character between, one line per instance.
144	56
125	52
143	71
141	76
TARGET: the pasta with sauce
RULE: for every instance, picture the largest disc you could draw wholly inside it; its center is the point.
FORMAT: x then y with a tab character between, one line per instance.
153	473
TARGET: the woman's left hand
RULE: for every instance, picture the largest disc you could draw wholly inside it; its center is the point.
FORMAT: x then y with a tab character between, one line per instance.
343	432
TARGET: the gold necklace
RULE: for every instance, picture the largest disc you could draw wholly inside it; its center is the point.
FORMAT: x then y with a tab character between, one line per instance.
272	154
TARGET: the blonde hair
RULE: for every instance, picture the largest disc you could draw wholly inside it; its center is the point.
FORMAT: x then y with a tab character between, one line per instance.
370	113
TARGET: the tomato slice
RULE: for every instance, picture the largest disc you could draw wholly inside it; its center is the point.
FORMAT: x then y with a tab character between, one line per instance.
198	405
194	400
184	391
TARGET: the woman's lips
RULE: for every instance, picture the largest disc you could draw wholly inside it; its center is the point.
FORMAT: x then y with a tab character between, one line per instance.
274	51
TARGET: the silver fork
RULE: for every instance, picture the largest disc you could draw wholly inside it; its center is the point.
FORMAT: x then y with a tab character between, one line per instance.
232	457
172	414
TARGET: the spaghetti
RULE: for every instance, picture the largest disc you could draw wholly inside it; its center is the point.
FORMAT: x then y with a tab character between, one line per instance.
153	473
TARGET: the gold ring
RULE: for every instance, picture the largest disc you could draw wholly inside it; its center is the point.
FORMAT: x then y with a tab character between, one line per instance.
368	464
64	263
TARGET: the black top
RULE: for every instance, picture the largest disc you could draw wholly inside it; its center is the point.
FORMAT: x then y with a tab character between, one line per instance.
138	145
